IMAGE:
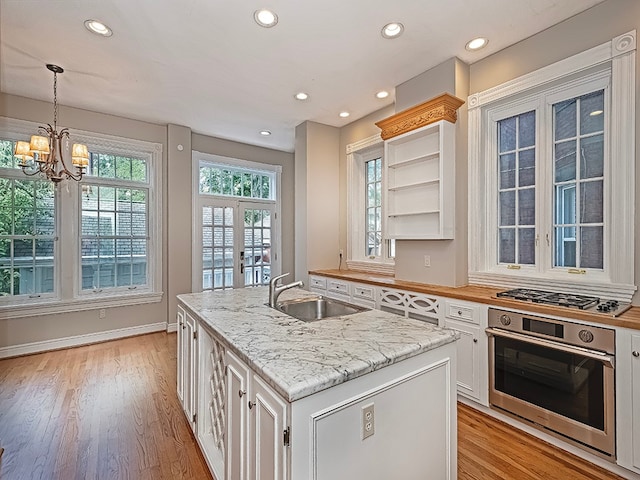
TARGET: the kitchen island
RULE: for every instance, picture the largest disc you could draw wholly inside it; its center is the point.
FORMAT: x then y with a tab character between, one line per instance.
368	395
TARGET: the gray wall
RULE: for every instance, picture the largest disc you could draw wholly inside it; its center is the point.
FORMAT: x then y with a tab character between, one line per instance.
176	219
17	331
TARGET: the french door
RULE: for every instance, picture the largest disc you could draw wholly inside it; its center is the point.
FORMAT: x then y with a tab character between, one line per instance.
234	245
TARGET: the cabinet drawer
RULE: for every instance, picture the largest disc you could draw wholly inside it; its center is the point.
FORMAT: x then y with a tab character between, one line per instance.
364	292
340	288
318	283
463	312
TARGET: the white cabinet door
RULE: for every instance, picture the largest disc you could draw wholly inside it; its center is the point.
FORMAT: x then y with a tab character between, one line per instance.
468	362
187	382
210	413
266	433
180	354
237	395
635	372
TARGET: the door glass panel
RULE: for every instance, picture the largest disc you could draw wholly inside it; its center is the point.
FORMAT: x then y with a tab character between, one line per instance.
217	253
257	246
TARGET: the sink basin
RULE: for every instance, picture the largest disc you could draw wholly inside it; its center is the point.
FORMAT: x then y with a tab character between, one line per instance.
309	310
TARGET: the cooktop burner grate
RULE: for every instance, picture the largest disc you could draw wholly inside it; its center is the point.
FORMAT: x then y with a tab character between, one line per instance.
551	298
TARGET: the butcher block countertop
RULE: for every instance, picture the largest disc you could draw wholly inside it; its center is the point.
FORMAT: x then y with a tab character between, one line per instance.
486	295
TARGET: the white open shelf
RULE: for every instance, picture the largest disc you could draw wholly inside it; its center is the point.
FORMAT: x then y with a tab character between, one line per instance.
420	183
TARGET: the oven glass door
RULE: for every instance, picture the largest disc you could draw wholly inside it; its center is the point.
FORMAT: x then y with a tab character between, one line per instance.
569	384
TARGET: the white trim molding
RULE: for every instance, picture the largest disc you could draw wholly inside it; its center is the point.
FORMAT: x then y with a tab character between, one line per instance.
356	259
611	65
78	340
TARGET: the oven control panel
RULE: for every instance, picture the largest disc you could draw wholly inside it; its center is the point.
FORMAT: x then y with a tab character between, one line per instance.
569	332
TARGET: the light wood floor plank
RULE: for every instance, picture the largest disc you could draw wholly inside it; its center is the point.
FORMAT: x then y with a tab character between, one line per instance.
110	411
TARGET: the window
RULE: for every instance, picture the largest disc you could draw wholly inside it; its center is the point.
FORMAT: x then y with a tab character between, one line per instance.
549	190
114	218
102	235
367	248
236	223
27	231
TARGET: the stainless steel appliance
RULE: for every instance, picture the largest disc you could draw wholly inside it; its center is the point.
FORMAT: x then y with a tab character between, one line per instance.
590	304
558	375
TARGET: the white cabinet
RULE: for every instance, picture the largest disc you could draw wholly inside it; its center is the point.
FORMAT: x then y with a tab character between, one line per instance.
210	404
256	426
628	398
318	284
363	295
420	183
419	306
187	363
470	320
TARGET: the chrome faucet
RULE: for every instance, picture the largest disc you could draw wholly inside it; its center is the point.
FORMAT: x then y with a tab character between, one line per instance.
275	290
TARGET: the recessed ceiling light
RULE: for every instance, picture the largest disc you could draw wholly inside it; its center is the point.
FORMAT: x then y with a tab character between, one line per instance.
301	96
595	113
382	94
265	133
265	18
476	44
392	30
344	114
99	28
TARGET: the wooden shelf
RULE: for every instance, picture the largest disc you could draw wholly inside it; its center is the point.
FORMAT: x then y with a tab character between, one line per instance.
414	185
410	214
412	161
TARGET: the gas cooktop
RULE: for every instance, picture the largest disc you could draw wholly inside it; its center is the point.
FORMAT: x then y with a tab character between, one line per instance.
581	302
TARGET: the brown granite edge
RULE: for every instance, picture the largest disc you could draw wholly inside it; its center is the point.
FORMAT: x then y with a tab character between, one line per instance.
486	295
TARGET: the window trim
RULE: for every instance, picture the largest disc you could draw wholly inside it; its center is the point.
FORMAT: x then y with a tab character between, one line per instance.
69	297
357	155
618	55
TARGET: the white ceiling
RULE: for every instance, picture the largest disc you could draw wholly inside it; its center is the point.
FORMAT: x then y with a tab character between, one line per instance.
207	64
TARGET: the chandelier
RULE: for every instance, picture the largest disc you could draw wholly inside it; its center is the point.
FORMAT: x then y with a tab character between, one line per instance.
43	154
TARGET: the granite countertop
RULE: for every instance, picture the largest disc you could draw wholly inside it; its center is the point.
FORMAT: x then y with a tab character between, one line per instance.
301	358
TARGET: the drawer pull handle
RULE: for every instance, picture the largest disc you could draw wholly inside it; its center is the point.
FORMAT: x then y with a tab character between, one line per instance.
241	393
635	353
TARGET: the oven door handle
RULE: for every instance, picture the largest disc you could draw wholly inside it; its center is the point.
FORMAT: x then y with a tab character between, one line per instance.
585	352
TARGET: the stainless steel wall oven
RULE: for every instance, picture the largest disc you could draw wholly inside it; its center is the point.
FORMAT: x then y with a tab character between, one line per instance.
558	375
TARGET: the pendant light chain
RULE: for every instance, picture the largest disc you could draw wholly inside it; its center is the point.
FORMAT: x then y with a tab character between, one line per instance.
55	101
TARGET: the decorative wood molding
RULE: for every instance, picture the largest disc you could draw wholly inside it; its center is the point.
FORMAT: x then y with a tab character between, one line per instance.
443	107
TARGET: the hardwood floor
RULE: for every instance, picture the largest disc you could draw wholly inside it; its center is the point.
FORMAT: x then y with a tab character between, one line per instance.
489	449
110	411
104	411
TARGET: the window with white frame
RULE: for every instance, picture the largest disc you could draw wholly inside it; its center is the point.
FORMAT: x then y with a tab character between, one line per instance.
103	233
367	247
237	240
550	191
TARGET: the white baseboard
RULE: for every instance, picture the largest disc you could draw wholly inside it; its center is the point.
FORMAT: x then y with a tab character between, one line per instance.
77	340
172	327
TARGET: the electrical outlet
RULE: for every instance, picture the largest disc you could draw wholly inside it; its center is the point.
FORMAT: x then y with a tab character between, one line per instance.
368	421
341	252
103	313
427	260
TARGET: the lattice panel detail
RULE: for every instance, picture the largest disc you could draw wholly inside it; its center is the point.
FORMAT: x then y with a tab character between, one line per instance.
411	304
217	386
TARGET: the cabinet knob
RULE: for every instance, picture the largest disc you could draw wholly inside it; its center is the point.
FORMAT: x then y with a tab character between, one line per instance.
251	404
459	313
475	340
241	393
635	353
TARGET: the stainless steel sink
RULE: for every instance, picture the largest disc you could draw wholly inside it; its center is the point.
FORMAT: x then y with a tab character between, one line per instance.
309	310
